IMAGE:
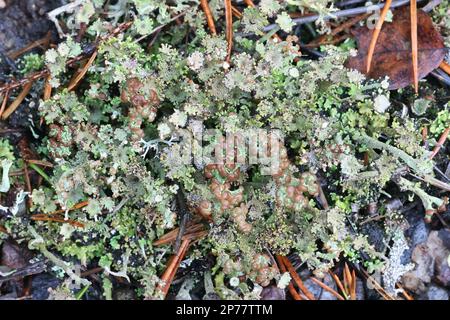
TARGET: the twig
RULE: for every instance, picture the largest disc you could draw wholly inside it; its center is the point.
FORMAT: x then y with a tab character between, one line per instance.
376	33
34	268
209	17
16	103
413	10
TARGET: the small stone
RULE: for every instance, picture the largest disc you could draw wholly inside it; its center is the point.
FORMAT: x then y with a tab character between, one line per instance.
436	293
273	293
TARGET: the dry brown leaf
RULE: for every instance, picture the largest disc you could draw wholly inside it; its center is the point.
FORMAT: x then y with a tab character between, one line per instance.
392	56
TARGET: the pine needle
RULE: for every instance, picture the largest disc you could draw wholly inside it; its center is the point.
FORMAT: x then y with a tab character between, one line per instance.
209	17
415	61
4	102
74	82
376	33
43	217
295	295
297	279
327	288
440	142
445	66
16	103
229	27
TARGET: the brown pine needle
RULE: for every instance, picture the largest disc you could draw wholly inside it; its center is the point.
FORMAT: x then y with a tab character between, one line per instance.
327	288
4	102
16	103
2	229
26	175
445	66
440	143
249	3
347	279
236	12
209	16
229	27
38	43
376	33
415	61
43	217
346	25
171	235
377	286
353	286
74	82
75	207
339	283
172	267
291	288
41	163
47	89
405	293
297	279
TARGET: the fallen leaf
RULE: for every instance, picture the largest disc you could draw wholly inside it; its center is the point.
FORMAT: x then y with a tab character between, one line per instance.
392	56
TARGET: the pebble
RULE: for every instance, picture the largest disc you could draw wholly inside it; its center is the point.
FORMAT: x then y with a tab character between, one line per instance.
436	293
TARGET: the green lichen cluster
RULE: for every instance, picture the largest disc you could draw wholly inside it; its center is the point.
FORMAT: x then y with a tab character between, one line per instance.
117	143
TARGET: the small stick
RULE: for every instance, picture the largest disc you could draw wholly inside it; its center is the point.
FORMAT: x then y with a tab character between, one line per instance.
16	103
291	288
29	270
441	141
376	33
413	9
229	27
209	17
